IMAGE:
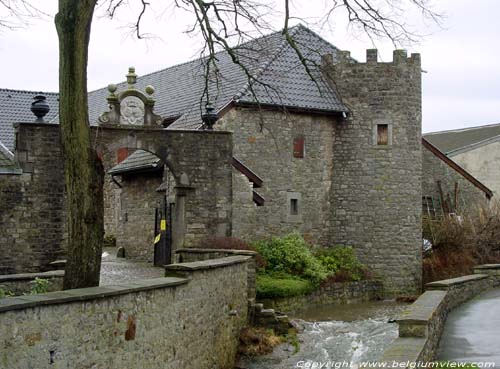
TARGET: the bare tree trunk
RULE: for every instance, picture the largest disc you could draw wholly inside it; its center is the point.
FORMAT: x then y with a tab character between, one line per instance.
83	169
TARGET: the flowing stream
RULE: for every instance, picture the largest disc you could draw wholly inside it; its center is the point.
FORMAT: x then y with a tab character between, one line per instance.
335	334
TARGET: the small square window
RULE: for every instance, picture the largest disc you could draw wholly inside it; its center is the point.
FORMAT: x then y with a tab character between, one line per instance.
382	134
294	207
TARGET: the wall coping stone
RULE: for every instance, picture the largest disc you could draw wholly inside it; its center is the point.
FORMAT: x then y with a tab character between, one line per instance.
29	276
205	251
208	264
84	294
422	310
455	281
404	349
487	266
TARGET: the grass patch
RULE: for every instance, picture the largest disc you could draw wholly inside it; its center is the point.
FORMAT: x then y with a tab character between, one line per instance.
269	286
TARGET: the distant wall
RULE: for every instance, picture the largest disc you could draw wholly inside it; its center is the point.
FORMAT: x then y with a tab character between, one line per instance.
19	284
169	323
135	224
434	169
265	142
32	203
482	163
335	293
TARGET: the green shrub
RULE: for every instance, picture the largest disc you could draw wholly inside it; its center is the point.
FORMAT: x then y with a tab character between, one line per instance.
341	264
272	286
5	293
291	255
40	285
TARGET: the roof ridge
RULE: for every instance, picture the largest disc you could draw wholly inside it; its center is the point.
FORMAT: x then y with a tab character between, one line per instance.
462	129
194	59
28	91
266	65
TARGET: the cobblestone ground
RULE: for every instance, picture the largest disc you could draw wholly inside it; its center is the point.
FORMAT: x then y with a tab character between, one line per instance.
117	270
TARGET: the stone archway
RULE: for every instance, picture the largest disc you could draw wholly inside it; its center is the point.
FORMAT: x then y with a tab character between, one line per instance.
200	162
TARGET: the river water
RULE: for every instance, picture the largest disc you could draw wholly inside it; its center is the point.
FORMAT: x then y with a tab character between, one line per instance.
341	334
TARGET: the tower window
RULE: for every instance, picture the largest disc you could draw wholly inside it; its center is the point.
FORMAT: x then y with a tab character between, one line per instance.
382	134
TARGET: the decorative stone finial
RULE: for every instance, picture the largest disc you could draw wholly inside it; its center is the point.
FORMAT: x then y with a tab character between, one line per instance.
40	108
112	88
131	77
149	90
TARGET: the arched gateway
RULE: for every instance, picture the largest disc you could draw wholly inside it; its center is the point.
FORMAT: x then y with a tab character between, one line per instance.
199	164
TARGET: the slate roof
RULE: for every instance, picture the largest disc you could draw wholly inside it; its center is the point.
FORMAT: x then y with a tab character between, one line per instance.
462	139
139	160
269	58
15	107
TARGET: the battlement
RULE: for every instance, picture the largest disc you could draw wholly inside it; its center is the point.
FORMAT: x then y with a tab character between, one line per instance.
399	57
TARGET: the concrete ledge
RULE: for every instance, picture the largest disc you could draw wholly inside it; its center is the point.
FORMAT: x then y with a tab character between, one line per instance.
454	281
423	309
31	276
83	294
207	264
403	350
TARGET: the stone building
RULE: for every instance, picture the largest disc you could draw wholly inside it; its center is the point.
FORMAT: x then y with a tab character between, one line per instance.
337	158
447	187
476	149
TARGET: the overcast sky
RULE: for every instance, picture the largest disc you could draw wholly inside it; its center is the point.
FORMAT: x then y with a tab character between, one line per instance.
460	89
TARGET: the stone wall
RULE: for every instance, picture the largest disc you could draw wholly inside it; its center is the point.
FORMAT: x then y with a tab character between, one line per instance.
201	164
336	293
138	200
169	322
19	284
194	254
434	169
421	325
264	142
32	212
375	197
31	204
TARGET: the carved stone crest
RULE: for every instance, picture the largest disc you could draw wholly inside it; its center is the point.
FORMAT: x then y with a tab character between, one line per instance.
130	107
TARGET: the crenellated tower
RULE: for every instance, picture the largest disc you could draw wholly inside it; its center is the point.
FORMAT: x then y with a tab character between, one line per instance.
376	186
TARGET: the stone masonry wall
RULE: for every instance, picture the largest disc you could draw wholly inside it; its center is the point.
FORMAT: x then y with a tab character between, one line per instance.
31	204
200	162
138	200
376	189
169	323
32	212
434	169
264	142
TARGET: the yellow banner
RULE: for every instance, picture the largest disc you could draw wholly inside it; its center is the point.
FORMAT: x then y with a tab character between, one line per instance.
163	225
157	238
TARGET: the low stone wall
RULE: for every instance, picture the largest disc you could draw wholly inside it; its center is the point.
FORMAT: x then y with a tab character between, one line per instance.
421	325
19	284
188	322
194	254
342	293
